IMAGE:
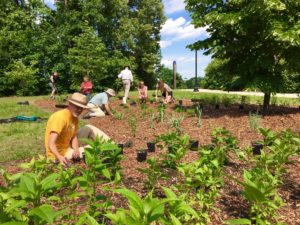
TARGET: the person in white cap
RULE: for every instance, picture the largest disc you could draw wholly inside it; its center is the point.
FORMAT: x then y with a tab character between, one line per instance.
61	136
99	104
127	80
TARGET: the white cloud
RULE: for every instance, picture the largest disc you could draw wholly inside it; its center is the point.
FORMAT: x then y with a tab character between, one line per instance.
49	2
167	62
179	29
164	44
172	6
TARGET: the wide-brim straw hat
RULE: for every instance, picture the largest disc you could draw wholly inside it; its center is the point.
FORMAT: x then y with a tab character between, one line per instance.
79	100
111	92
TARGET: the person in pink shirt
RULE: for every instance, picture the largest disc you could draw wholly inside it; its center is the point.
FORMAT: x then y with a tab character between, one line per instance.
143	92
86	86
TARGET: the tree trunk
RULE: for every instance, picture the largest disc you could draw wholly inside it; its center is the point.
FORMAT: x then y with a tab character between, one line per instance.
266	104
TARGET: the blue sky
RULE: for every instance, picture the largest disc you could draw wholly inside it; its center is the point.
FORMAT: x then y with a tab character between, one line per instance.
176	34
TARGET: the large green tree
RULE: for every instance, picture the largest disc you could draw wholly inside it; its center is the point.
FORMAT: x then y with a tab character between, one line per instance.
258	40
98	37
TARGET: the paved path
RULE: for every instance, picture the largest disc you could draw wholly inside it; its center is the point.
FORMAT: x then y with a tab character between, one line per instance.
290	95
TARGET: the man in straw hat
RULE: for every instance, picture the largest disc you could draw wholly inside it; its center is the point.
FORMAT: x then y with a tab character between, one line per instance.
98	105
61	136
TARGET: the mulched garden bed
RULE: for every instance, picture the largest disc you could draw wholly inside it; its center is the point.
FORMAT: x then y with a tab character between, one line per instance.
230	203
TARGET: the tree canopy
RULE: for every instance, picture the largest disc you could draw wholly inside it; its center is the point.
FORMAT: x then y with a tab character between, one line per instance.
257	41
95	37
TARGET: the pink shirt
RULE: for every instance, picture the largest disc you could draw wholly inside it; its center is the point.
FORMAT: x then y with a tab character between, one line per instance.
86	87
143	91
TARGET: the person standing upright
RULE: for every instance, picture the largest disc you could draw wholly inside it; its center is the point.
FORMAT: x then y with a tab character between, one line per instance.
127	80
86	87
52	82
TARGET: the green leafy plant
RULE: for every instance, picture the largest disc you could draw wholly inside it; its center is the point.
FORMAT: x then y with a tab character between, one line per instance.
102	159
254	121
161	112
118	115
176	146
141	211
198	112
132	123
152	120
154	172
175	123
227	100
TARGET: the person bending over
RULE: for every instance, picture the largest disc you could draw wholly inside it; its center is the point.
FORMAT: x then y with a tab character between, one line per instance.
143	92
166	92
99	104
61	136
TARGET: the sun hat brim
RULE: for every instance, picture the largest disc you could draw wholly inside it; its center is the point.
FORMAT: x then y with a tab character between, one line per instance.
79	104
110	93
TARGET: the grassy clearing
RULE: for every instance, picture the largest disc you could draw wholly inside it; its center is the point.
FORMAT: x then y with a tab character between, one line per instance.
20	140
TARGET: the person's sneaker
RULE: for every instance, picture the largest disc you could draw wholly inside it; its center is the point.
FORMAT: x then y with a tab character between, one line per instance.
128	144
87	116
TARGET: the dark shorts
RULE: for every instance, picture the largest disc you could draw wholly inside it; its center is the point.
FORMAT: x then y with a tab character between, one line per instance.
169	93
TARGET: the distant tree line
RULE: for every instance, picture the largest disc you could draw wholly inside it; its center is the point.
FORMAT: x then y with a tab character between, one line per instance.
94	37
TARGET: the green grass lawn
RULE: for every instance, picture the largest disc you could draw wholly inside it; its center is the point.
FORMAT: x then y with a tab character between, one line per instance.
20	140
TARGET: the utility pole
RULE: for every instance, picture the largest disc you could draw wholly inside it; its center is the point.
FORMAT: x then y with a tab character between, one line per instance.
174	74
196	88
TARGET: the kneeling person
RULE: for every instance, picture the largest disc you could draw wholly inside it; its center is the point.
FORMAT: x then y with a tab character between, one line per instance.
61	137
99	104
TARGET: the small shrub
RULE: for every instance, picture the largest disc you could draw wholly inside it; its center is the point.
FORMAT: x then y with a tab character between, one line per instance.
254	121
132	124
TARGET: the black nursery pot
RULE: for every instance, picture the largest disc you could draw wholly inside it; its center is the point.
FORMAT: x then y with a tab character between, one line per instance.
241	106
151	146
141	155
256	148
121	146
194	145
217	106
60	106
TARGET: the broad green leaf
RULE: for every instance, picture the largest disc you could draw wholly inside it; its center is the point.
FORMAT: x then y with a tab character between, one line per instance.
239	222
174	220
134	200
44	213
50	181
85	218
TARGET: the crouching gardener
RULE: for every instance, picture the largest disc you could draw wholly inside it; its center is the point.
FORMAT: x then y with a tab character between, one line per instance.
61	137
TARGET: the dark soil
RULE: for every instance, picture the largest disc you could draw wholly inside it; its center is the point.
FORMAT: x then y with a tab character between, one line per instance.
230	203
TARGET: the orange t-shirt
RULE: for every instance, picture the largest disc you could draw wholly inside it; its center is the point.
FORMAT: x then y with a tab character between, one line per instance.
63	123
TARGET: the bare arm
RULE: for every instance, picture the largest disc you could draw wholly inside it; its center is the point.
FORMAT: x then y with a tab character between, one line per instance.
51	79
52	146
75	146
107	108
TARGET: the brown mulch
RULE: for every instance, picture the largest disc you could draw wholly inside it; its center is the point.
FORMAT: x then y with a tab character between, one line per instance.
230	203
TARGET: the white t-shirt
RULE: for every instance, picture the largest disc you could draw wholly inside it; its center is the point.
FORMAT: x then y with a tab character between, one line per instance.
126	75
